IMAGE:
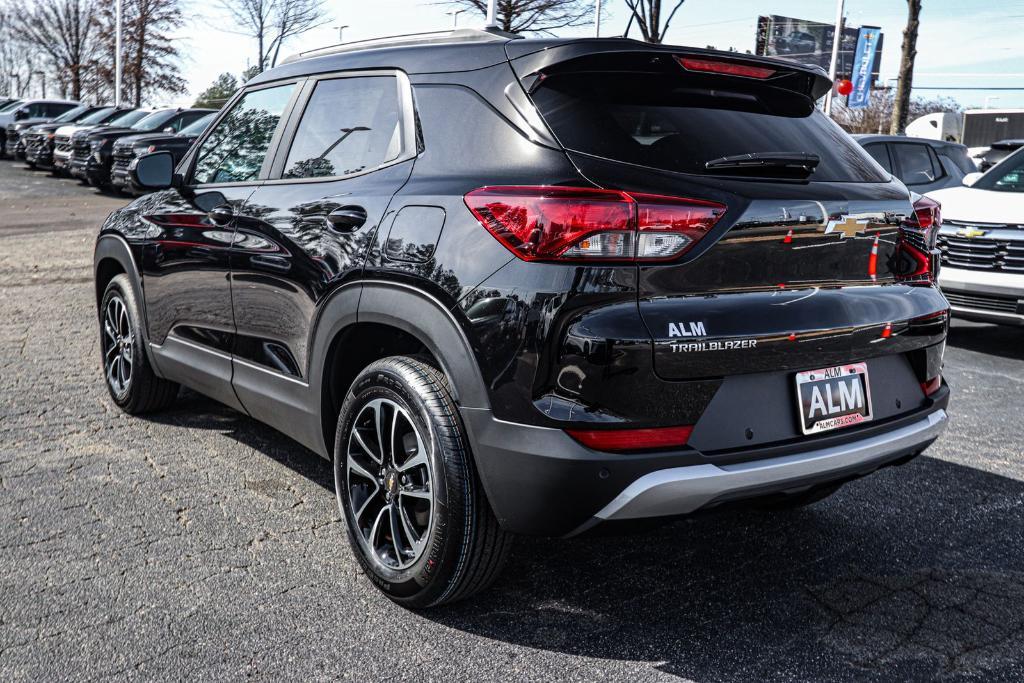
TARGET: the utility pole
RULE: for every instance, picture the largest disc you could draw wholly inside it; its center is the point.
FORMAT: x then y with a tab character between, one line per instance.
597	24
837	40
340	29
117	57
492	14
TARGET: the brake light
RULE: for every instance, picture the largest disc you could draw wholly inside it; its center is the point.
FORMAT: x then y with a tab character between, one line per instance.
581	224
622	440
917	259
727	68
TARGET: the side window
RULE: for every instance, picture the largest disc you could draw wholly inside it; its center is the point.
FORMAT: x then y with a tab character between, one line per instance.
937	169
37	110
234	151
188	119
350	125
915	163
880	154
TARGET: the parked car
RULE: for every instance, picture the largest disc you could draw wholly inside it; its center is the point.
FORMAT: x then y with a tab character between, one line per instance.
92	152
33	135
6	100
997	152
24	110
62	140
982	243
689	320
127	149
923	165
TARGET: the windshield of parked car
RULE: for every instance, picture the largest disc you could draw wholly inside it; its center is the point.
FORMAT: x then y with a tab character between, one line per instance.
155	121
11	107
129	118
198	126
97	116
1007	176
70	114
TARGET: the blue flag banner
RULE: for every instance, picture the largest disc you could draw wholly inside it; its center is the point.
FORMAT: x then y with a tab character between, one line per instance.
863	62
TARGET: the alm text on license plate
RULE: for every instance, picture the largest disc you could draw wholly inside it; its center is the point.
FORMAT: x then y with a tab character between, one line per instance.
830	398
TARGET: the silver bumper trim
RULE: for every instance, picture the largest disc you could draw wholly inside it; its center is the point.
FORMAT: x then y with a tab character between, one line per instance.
681	490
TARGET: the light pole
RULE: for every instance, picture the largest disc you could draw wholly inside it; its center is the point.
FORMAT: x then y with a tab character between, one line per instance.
455	17
340	29
597	23
117	57
492	14
837	39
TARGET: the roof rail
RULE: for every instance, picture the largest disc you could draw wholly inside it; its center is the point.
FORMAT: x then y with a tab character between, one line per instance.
460	35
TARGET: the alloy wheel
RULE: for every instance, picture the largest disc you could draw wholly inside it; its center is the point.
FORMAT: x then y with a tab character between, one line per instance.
118	346
389	480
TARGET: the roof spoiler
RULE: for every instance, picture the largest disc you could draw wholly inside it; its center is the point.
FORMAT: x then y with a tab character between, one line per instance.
807	79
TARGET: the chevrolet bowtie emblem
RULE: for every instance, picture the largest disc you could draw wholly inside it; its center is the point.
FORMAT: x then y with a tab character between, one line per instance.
971	232
846	226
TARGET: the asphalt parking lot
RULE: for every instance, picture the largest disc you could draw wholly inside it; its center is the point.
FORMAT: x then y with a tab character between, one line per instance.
198	542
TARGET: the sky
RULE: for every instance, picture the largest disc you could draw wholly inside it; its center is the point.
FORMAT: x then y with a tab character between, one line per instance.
962	43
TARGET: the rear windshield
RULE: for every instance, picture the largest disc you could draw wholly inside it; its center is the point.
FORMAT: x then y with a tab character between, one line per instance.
663	121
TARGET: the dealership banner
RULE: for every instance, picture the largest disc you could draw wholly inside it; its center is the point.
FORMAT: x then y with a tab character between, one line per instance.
863	63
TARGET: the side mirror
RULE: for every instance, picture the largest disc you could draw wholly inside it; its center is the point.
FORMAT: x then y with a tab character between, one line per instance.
21	114
170	129
971	178
153	171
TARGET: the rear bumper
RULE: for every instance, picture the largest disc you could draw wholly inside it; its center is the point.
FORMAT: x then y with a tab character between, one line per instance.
541	482
985	296
685	489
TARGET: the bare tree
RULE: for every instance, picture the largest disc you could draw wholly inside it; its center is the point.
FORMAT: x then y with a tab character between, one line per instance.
875	117
535	16
151	59
653	22
64	32
901	109
273	22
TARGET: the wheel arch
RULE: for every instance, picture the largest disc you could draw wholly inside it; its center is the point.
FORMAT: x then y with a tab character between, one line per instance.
388	319
111	258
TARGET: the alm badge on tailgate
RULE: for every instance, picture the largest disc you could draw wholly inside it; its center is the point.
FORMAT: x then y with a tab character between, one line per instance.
835	397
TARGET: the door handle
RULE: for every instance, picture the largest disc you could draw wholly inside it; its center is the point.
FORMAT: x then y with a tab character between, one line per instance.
347	218
221	215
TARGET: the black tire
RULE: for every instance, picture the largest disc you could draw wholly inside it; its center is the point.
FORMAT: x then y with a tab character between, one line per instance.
462	549
796	501
143	392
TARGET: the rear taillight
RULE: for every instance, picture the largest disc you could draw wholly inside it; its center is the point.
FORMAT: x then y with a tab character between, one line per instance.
623	440
551	223
917	259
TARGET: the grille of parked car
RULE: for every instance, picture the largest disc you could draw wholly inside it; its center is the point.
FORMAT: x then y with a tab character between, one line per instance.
122	156
62	144
984	302
982	253
80	148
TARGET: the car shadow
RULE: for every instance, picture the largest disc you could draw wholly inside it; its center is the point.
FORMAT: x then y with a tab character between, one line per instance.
914	572
1006	341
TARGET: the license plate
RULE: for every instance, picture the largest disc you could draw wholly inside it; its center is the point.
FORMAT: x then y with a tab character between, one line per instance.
831	398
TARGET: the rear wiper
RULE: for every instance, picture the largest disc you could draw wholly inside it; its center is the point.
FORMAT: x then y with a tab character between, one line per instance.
797	164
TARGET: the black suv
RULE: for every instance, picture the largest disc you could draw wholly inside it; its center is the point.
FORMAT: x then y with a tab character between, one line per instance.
36	140
127	149
92	152
529	286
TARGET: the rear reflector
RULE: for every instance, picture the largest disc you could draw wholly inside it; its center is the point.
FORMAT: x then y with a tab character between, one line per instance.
932	385
727	68
584	224
622	440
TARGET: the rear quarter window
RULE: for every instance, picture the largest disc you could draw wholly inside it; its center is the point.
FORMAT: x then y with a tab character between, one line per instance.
663	121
